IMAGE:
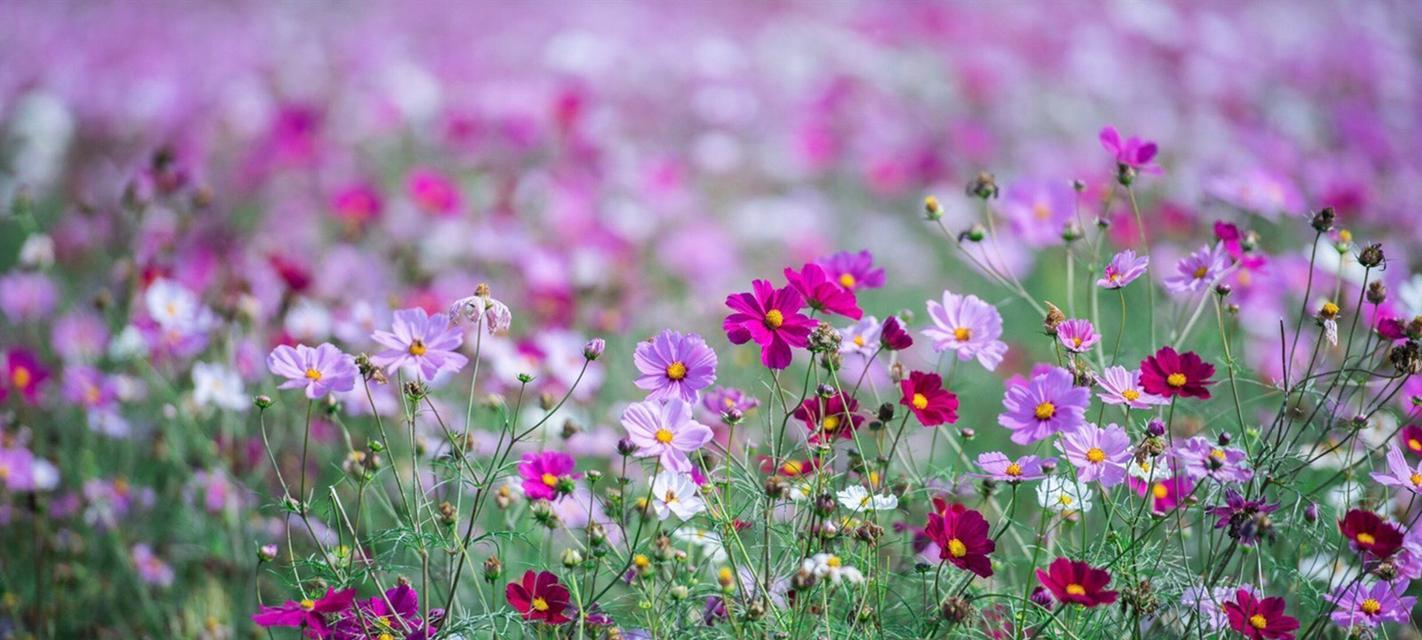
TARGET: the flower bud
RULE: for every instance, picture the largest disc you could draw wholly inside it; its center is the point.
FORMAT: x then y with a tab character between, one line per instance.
679	593
1323	220
262	401
1371	255
266	553
571	558
1377	292
1156	428
492	568
594	348
1311	512
933	210
983	186
625	447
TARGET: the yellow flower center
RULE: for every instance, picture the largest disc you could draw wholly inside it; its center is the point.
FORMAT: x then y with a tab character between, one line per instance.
792	468
1131	395
1371	606
1045	411
1217	454
1095	455
774	318
920	401
1366	538
1176	380
641	561
417	348
1041	211
834	562
858	341
956	548
1013	470
962	334
1258	621
1065	499
847	280
830	423
539	604
385	636
308	604
1416	479
1200	272
313	374
1076	342
1160	491
550	480
676	370
4	472
664	435
1329	310
1075	589
1414	444
21	377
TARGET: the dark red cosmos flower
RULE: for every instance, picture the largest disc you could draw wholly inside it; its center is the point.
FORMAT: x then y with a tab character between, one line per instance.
307	613
539	597
823	294
1260	619
1411	439
962	537
1168	374
1077	582
826	418
893	335
1370	534
771	317
924	395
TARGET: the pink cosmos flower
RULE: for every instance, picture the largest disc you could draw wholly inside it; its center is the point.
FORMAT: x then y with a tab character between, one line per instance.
1122	386
771	317
546	475
1399	473
722	399
356	205
1198	270
432	191
1047	404
150	567
861	338
24	374
312	615
26	297
1164	493
1360	606
1204	459
1077	336
666	430
420	343
1098	454
319	371
999	467
675	366
853	270
1122	270
1039	210
968	326
821	293
1132	152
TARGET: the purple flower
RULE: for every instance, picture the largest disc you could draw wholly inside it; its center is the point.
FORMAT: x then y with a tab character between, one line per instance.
1047	404
26	297
1204	459
853	270
969	326
1077	336
999	467
319	371
1210	604
1242	517
861	338
722	399
666	430
1370	606
1132	152
546	475
397	610
311	615
893	336
821	293
674	365
1039	210
1123	269
1399	473
1198	270
771	317
1120	385
1098	454
151	568
420	343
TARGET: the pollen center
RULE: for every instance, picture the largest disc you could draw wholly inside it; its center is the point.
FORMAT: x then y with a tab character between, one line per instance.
847	280
1258	621
664	435
834	562
1095	455
21	377
1013	470
1218	454
1045	411
676	370
1414	444
792	468
1416	479
774	318
1159	491
920	401
963	334
1131	395
539	604
1370	606
417	348
313	374
830	423
550	479
956	548
1200	272
1366	538
308	604
858	341
1076	589
1176	380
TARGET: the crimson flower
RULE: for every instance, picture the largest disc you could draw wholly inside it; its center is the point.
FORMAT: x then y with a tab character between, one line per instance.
1260	619
771	317
829	418
962	537
1411	438
893	335
823	294
924	395
1168	374
1369	534
539	597
790	467
307	613
1074	581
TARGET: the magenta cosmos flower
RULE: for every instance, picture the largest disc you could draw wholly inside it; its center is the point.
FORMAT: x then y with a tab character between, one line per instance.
828	419
1132	152
1075	582
1260	619
319	371
924	395
1122	386
675	366
997	466
853	270
1204	459
1360	606
1399	473
546	475
24	374
968	326
1168	374
1047	404
823	294
1077	336
312	615
893	336
539	597
1122	270
432	191
771	317
1165	493
665	430
1098	454
1198	270
420	343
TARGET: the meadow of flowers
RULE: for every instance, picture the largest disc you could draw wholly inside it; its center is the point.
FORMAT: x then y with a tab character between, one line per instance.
432	320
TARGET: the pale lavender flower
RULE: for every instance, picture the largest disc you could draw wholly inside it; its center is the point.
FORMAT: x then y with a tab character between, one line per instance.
861	338
80	336
1120	385
997	466
1399	473
1210	605
674	365
1123	269
1098	454
26	297
151	568
666	430
968	326
1047	404
722	399
1199	269
1077	336
423	344
1204	459
1370	606
319	371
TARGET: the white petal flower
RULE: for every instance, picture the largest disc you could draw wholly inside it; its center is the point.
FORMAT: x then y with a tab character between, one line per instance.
674	492
857	499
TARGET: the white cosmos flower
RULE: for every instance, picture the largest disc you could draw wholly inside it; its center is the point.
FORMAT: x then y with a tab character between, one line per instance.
802	491
1144	469
1064	495
857	498
708	541
215	385
828	565
674	492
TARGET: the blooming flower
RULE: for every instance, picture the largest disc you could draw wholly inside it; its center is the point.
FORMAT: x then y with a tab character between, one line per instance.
828	565
432	191
1369	534
1098	454
1242	517
1411	438
1132	152
1208	605
822	294
23	374
1260	619
26	297
382	616
1077	336
853	270
1360	606
1165	493
1399	473
1198	270
1065	496
1122	270
1039	210
150	567
1001	468
771	317
861	338
218	386
857	499
1204	459
420	343
546	475
1076	582
962	536
893	336
1169	374
722	399
675	366
1047	404
924	395
674	492
539	597
176	309
666	430
357	204
319	371
829	418
312	615
1120	385
968	326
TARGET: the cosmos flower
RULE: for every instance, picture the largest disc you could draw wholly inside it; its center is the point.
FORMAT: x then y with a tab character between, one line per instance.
539	597
1369	534
1165	493
24	374
858	499
1169	374
862	337
1259	619
771	317
1132	152
666	430
311	615
722	399
420	343
1123	269
674	365
893	336
1399	473
484	311
1098	454
176	309
968	326
1064	495
822	294
1411	439
1120	385
1204	459
546	475
997	466
1049	403
853	270
1198	270
1241	517
828	565
924	395
27	297
1076	582
674	492
319	371
218	386
1360	606
1208	604
382	616
357	205
830	418
963	537
432	191
21	471
1077	336
151	568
